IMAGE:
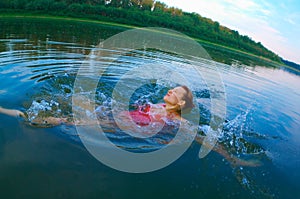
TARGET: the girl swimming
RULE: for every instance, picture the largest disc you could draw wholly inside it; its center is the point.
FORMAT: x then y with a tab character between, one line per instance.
177	101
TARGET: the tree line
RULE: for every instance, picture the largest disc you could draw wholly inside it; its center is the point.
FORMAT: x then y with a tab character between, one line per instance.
143	13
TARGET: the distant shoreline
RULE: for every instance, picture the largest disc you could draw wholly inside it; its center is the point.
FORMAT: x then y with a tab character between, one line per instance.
202	42
133	14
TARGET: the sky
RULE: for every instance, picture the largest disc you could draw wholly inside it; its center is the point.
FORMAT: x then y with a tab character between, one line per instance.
274	23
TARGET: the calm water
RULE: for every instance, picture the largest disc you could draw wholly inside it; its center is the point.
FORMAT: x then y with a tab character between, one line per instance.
39	60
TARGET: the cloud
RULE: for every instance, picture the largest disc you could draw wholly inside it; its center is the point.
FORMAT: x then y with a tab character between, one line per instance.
242	4
293	19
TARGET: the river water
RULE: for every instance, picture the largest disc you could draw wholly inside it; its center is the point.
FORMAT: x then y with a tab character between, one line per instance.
39	60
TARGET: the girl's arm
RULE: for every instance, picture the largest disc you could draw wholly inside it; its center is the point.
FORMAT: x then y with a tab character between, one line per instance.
12	112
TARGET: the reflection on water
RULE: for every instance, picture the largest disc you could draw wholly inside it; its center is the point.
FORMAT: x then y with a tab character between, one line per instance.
38	66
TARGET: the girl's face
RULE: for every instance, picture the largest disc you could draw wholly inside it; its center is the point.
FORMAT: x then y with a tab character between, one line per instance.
175	96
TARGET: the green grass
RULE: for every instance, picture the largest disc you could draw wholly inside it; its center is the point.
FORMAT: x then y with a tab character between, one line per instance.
38	16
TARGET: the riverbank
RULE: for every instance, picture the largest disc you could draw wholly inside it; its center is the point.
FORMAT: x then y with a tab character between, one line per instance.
209	46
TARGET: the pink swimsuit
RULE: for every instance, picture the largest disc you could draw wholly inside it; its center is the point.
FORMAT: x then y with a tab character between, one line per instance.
142	116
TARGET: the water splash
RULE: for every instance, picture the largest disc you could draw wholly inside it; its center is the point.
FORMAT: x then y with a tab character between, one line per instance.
247	181
42	108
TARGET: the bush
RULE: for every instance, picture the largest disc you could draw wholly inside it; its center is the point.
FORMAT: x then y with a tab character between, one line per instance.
44	5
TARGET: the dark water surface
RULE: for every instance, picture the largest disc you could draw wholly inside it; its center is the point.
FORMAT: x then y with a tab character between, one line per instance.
39	60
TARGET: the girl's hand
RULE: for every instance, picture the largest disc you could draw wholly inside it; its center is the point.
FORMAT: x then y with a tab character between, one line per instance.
20	113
